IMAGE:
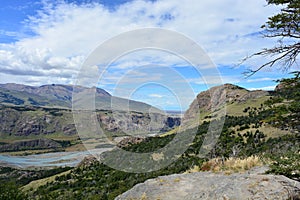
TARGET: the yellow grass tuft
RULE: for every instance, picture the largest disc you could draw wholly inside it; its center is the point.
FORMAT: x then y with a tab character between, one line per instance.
194	169
144	196
228	166
231	164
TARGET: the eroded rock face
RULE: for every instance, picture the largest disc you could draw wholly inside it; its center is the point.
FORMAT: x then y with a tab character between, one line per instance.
136	122
28	121
216	97
30	144
127	141
208	185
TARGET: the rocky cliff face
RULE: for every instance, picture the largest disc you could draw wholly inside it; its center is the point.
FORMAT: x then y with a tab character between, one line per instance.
216	97
136	122
30	144
208	185
28	121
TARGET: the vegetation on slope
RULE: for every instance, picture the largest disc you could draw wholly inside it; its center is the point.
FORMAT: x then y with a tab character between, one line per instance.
240	140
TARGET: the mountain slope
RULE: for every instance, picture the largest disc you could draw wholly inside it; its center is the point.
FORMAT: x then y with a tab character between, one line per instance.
28	112
57	95
96	180
231	96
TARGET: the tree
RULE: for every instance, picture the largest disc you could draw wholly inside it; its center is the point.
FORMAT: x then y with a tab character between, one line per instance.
10	190
284	26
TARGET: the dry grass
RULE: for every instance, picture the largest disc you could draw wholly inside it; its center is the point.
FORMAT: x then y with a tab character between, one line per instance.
40	182
194	169
230	165
170	132
144	196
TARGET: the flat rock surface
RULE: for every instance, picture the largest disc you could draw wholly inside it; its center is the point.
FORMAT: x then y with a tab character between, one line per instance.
208	185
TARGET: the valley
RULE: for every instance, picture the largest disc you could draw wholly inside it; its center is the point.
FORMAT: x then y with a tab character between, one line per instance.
149	100
40	143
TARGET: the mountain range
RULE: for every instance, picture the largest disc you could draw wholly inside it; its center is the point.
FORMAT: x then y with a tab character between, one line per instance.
34	112
60	96
260	135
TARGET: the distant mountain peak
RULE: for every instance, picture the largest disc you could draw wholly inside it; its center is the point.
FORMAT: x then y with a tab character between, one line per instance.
59	95
56	91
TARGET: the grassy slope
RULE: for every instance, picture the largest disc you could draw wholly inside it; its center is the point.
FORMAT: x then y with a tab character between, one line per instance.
37	183
236	109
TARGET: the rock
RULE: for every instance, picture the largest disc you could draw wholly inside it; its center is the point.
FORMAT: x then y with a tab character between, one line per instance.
127	141
26	121
137	123
216	97
87	161
30	144
208	185
258	170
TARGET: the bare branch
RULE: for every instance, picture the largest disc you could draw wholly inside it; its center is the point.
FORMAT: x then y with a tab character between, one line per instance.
285	26
289	55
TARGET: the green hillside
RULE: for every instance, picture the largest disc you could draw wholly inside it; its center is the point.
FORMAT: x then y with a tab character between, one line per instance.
243	136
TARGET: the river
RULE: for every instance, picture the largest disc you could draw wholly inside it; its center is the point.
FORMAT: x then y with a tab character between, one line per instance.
46	160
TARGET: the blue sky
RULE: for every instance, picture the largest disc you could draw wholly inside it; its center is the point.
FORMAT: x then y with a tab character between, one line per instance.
44	42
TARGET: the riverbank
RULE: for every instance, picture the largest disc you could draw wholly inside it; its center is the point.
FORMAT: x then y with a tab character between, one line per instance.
47	160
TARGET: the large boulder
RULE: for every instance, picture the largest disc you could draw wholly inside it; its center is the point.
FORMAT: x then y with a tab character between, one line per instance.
208	185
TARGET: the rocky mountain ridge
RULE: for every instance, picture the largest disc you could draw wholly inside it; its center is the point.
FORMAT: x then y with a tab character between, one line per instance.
33	121
58	91
219	96
60	96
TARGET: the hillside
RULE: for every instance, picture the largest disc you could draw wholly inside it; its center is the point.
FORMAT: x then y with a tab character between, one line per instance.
29	113
60	96
244	136
20	124
232	97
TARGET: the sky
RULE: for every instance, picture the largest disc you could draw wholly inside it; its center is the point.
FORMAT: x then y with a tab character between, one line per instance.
45	42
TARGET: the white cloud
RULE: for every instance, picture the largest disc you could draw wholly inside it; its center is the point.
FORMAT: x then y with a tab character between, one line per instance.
259	80
271	87
215	80
155	95
67	33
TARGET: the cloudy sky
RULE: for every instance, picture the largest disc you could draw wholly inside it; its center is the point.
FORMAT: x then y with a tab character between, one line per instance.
45	42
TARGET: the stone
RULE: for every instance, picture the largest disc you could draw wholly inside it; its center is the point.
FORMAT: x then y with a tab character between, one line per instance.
208	185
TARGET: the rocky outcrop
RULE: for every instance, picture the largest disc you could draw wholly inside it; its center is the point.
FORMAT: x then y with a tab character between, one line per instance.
136	122
208	185
127	141
216	97
28	121
30	144
87	161
283	85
